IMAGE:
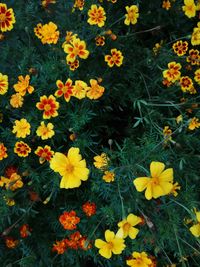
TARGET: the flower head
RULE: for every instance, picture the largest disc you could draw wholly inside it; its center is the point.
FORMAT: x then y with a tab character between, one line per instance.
69	220
195	229
25	230
159	184
60	246
89	208
193	124
126	226
80	89
172	74
12	183
197	76
100	40
3	153
180	48
166	4
22	149
113	244
49	105
108	176
23	85
16	100
175	187
97	16
7	18
194	57
22	128
101	161
11	242
64	89
45	131
45	153
79	4
195	40
115	58
45	3
76	48
167	132
47	33
72	168
95	91
189	8
73	65
139	260
132	15
3	82
186	83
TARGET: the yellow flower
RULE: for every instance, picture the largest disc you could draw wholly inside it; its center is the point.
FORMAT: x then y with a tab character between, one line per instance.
95	91
175	187
49	33
45	131
101	161
167	132
172	74
195	40
195	229
166	4
189	8
12	183
197	76
21	128
116	58
3	84
80	89
16	100
126	226
159	184
72	168
179	119
23	85
79	4
139	260
108	176
96	16
76	48
9	201
193	124
113	244
132	15
7	18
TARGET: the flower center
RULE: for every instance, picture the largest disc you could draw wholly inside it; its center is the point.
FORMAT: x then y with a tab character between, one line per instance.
155	181
110	245
2	17
69	168
126	227
47	107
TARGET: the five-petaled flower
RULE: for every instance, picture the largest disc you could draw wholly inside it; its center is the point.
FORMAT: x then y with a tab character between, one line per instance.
132	15
189	8
95	91
116	58
139	260
126	226
89	208
49	105
172	74
97	16
45	153
7	18
76	48
22	149
64	89
3	151
45	131
22	86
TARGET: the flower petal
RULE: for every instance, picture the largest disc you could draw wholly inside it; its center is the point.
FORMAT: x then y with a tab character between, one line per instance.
167	175
141	183
133	219
195	230
133	232
109	235
156	168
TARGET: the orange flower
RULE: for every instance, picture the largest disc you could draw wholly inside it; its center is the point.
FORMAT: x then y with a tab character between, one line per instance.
22	149
60	246
23	85
69	220
11	242
10	170
49	106
76	48
166	4
100	40
79	4
64	89
89	208
7	18
194	57
95	91
193	124
3	153
45	3
172	74
49	33
44	153
16	100
73	241
13	182
115	58
25	230
180	47
96	16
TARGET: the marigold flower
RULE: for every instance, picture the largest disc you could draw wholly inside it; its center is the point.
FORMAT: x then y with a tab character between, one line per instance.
38	30
80	89
47	33
22	86
9	201
22	128
166	4
45	3
157	47
10	170
113	244
64	89
139	260
3	82
180	48
13	182
97	16
45	131
49	105
159	184
83	243
3	153
7	18
194	57
115	58
68	38
16	100
101	161
179	119
45	153
175	187
195	40
186	83
24	230
69	220
132	15
89	208
126	226
108	176
79	4
197	76
60	246
189	8
22	149
72	168
11	242
195	229
193	124
95	91
73	65
172	74
167	132
76	48
100	40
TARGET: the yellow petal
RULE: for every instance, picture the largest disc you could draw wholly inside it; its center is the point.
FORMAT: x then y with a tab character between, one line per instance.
141	183
81	173
167	175
156	168
105	252
69	181
133	232
157	191
118	245
73	155
99	243
148	192
198	216
109	235
195	230
120	233
133	219
166	187
58	163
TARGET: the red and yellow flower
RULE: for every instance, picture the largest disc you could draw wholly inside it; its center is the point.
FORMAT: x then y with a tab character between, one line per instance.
3	153
73	65
25	230
69	220
194	57
3	82
45	153
22	86
116	58
180	47
100	40
49	106
172	74
47	33
79	4
132	15
186	83
76	48
13	182
89	208
22	149
197	76
64	89
97	16
7	18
